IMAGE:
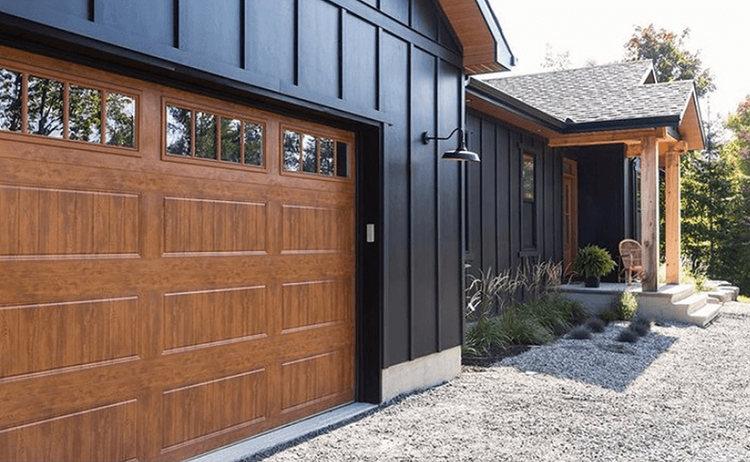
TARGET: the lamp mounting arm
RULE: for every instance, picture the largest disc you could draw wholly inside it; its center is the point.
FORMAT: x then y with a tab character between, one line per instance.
426	136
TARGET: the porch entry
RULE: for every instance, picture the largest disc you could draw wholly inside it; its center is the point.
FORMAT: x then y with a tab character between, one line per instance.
570	212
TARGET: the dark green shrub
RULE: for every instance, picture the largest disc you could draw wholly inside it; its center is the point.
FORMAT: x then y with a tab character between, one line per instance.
595	325
580	333
593	261
609	316
628	335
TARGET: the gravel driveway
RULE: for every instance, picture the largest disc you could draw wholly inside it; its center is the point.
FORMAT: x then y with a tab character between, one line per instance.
680	394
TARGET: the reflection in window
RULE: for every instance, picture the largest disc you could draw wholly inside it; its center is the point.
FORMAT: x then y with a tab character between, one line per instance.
205	135
231	134
11	87
84	114
326	157
342	160
253	144
120	120
310	154
45	110
528	178
178	131
291	151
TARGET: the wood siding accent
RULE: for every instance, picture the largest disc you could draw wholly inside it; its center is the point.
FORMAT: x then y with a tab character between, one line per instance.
494	197
149	308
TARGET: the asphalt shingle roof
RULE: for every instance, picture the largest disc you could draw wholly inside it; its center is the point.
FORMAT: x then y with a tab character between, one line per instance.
599	94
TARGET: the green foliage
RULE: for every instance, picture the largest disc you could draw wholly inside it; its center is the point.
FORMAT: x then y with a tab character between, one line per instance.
593	261
522	327
623	308
609	316
482	335
671	60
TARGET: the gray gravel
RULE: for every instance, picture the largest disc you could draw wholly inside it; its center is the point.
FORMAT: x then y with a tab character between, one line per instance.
680	394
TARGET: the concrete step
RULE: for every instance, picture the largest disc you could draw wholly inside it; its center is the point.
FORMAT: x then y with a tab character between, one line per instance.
656	306
674	292
705	315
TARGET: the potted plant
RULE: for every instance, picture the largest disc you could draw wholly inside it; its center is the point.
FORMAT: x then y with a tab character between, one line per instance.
592	263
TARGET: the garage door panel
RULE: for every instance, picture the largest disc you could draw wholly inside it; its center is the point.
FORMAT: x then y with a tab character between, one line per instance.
205	409
314	304
50	222
83	334
201	225
158	306
209	317
113	428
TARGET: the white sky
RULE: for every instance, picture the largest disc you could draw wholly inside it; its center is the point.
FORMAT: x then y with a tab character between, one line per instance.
598	30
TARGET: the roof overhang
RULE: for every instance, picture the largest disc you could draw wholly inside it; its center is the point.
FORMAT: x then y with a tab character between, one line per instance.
687	129
484	46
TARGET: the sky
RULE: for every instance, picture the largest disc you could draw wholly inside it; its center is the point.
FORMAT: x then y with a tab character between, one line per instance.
598	30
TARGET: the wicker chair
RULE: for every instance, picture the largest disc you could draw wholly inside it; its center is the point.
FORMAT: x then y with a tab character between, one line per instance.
630	253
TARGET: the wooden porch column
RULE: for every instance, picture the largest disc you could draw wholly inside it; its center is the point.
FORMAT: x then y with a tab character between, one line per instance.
672	216
650	213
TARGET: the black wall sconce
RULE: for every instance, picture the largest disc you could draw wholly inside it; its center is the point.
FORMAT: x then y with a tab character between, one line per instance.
460	153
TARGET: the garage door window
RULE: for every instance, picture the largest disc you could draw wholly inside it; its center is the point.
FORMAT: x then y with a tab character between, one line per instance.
35	104
311	154
194	133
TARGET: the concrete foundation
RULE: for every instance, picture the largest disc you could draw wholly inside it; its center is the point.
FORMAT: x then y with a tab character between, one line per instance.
421	373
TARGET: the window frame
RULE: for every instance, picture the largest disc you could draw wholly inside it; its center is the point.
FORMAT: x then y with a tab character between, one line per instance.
320	134
68	80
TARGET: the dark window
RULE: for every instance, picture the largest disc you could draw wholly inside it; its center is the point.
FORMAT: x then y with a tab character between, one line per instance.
231	136
528	211
205	135
342	159
310	154
253	144
179	131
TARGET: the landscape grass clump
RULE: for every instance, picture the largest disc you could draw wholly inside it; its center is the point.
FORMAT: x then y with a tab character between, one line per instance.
517	307
623	308
628	335
641	326
595	325
580	333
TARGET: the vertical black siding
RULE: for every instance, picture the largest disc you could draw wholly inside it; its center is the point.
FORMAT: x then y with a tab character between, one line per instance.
271	48
494	216
449	213
397	297
423	205
319	47
360	62
212	29
151	19
398	9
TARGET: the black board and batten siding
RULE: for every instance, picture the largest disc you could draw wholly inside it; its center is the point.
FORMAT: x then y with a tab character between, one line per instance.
499	233
387	69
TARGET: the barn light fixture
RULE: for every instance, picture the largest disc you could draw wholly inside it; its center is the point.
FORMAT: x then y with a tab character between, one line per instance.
460	153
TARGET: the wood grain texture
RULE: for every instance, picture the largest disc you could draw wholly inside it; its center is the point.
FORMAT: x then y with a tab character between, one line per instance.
214	316
52	336
104	433
199	410
200	225
143	299
672	217
42	222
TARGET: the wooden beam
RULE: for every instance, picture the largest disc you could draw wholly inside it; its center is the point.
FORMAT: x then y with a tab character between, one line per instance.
672	217
609	137
650	213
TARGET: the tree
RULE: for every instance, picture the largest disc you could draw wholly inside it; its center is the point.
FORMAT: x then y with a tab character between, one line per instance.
671	60
556	61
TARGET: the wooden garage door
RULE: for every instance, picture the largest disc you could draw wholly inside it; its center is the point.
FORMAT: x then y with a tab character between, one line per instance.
176	272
